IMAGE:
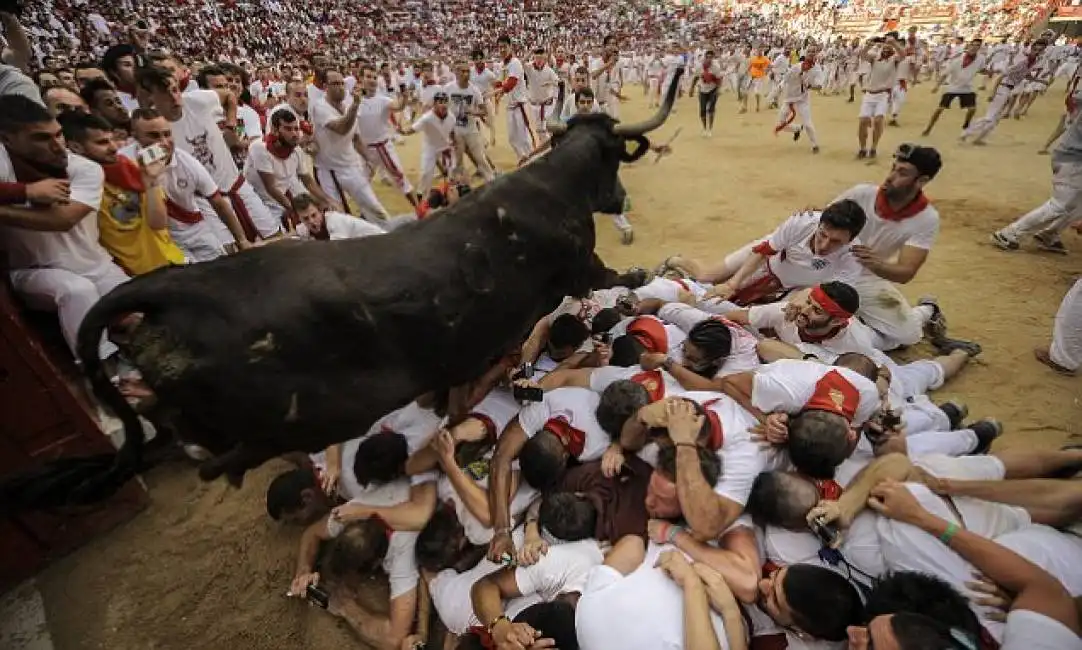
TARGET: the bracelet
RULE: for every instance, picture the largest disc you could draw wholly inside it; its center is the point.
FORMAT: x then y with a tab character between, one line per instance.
496	621
667	364
948	535
673	532
664	532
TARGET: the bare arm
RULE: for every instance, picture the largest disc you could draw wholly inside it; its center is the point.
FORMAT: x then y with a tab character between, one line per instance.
275	193
739	386
310	541
157	215
537	340
707	513
905	268
499	494
224	209
413	514
737	561
341	125
566	377
18	42
58	217
771	350
698	628
315	190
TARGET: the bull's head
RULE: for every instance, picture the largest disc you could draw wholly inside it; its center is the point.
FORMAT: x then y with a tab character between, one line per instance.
586	132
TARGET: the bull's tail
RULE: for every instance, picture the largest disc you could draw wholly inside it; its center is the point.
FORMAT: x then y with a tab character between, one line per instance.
88	479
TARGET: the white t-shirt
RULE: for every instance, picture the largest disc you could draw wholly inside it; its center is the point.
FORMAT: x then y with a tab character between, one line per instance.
374	119
77	249
883	75
250	119
518	94
197	133
655	380
860	546
788	385
886	238
790	258
960	78
435	131
283	170
343	226
483	80
460	102
742	459
854	337
541	84
336	151
577	407
400	563
1028	630
640	611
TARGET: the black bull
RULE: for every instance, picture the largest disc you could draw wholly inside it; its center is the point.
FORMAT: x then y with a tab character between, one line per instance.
299	345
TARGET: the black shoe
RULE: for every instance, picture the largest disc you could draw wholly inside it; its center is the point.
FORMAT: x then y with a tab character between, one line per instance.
947	345
936	327
987	431
796	136
956	413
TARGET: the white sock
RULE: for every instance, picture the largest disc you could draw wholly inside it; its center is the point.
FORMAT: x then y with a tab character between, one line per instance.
926	312
621	222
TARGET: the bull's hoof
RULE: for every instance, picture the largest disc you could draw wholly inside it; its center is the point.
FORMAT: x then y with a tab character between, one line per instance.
634	278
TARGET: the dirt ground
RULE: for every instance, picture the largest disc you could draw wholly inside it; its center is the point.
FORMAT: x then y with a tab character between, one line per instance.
204	567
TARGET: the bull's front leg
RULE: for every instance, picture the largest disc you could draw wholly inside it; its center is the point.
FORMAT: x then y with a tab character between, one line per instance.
235	463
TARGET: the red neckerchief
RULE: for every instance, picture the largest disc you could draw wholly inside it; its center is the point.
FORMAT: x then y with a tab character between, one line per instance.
883	209
28	172
574	440
430	82
708	76
124	174
716	436
487	642
479	66
834	394
807	64
508	59
277	148
654	383
537	67
829	489
650	332
559	62
770	568
967	60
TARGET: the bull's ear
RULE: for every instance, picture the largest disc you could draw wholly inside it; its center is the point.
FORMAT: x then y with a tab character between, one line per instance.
642	146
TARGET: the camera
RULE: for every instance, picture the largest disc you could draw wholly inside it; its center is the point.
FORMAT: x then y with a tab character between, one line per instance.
528	393
877	427
828	534
317	596
525	371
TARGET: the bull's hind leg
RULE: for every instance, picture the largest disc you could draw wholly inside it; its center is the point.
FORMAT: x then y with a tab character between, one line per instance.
234	463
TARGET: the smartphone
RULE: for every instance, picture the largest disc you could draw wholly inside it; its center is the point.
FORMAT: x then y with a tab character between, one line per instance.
604	337
828	534
524	372
317	596
152	154
528	393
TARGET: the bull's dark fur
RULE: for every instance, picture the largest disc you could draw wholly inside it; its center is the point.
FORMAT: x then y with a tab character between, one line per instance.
299	345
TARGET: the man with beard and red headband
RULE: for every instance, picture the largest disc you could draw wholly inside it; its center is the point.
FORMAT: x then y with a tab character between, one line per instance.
902	226
878	85
542	82
132	219
49	199
184	180
195	116
520	134
275	169
796	87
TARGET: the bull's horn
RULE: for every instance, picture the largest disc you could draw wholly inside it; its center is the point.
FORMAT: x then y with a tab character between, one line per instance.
556	127
658	118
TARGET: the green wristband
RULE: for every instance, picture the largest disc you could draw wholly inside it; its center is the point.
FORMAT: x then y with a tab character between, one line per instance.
948	535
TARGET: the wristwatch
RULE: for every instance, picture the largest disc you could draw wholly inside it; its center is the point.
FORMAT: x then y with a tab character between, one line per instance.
667	364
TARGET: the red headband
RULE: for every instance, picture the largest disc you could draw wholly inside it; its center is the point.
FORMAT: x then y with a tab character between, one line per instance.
828	304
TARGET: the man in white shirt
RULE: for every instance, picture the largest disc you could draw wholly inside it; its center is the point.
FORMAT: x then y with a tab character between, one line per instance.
196	130
328	224
541	81
879	83
185	181
520	133
608	76
901	228
436	127
959	73
275	169
467	105
337	165
796	101
485	80
49	221
374	130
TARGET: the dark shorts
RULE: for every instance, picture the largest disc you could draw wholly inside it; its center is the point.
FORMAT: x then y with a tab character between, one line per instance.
968	100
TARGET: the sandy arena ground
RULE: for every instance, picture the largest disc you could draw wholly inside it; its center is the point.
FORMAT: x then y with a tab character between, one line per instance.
204	568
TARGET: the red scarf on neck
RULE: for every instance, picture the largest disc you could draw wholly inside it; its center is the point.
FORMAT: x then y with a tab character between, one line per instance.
124	174
967	60
708	77
574	440
277	148
479	66
883	209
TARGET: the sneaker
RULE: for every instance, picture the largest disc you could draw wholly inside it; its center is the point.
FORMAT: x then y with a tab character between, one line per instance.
925	133
936	327
893	123
947	345
1050	244
862	154
815	149
1003	242
956	413
987	431
796	136
872	154
1045	357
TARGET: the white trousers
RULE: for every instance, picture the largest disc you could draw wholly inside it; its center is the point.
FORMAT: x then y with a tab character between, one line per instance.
1066	347
383	157
519	134
539	113
981	127
897	100
1058	212
884	309
473	145
266	224
198	241
430	160
787	114
351	183
69	294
